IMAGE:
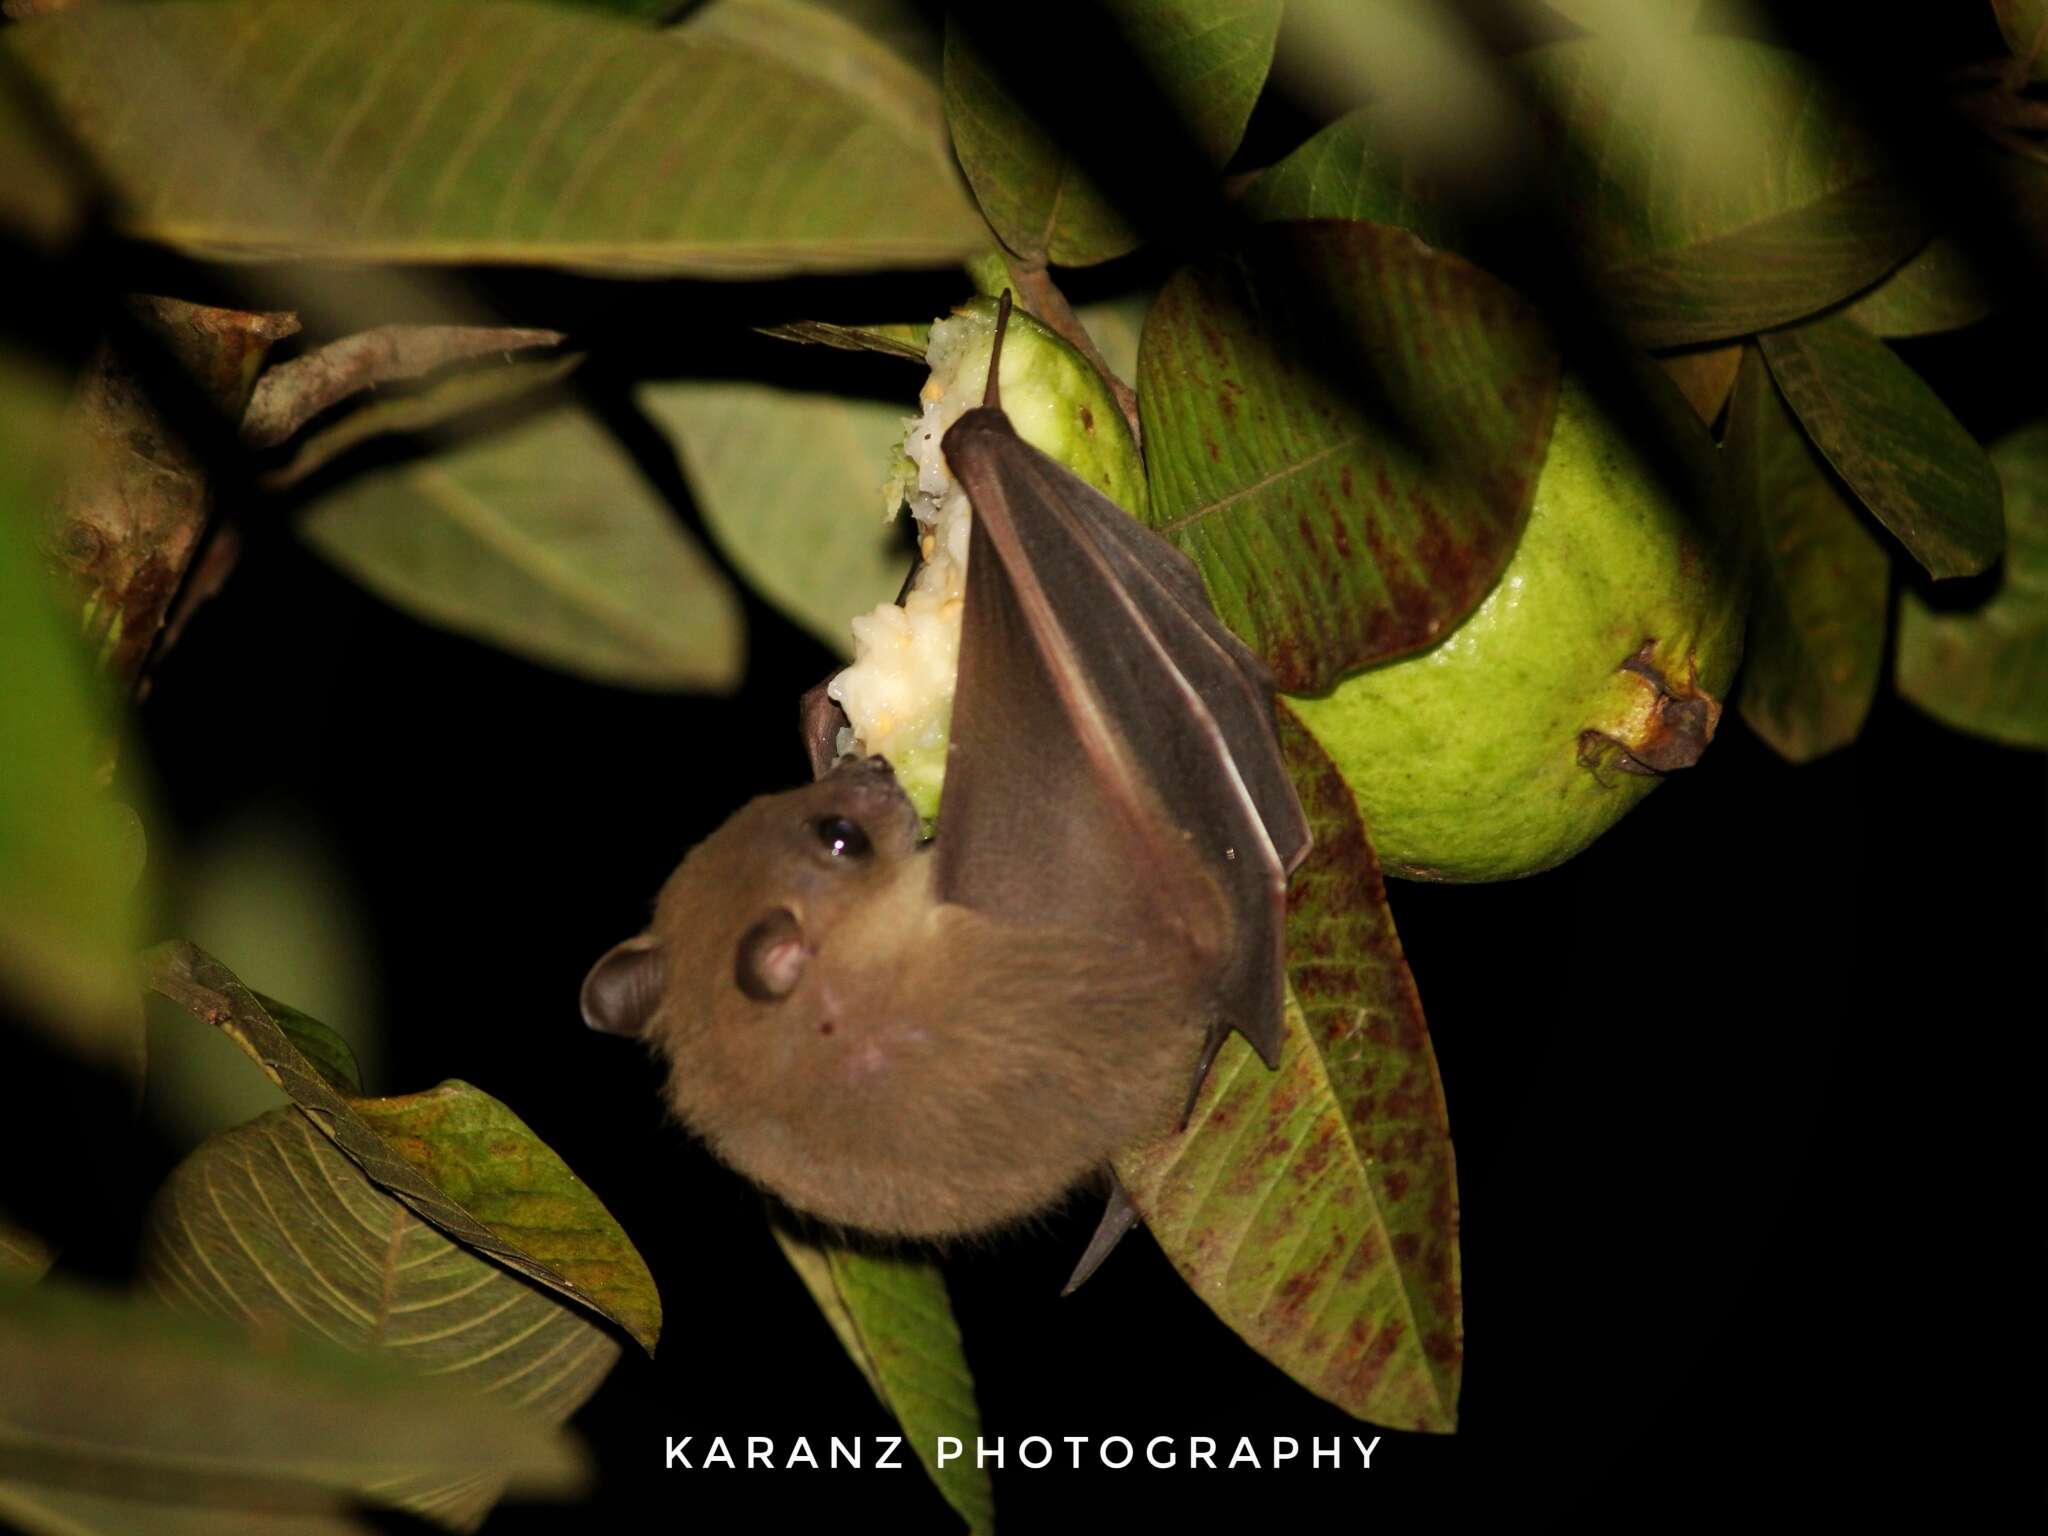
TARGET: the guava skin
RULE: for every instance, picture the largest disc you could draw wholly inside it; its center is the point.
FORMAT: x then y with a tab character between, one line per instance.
1599	659
1054	398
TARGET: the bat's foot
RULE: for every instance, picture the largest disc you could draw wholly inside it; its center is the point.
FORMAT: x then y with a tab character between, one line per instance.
1118	1217
1211	1044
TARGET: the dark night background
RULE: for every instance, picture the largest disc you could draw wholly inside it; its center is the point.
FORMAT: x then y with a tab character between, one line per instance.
1738	1095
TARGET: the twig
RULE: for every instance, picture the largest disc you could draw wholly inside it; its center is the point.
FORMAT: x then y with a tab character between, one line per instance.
293	393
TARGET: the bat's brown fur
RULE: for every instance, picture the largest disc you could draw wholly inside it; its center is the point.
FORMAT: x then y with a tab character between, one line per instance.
932	1071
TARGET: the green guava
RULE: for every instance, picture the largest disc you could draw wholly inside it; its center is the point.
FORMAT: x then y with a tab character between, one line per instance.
1594	668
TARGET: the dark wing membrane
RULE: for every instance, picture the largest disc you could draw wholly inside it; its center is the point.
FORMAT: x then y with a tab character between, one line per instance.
1133	714
1233	682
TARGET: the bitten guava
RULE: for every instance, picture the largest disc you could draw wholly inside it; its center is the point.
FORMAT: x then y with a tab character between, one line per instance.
898	694
1595	667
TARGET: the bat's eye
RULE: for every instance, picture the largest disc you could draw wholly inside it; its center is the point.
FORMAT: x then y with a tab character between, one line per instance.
842	837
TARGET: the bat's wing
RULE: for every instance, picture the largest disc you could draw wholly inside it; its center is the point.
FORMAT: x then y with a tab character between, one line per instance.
1166	585
1111	758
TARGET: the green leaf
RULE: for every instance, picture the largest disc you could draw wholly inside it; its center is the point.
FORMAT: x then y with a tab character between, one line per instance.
264	887
1207	57
656	11
890	339
1819	581
790	484
1705	376
24	1257
1985	670
1340	528
482	1156
1938	289
487	131
83	1512
1315	1207
1628	16
2025	25
892	1316
271	1228
325	1051
41	196
546	540
68	918
1353	169
1717	186
454	1155
129	1400
839	52
1892	440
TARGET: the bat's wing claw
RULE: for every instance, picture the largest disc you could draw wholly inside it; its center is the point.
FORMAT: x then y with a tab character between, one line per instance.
819	720
1118	1217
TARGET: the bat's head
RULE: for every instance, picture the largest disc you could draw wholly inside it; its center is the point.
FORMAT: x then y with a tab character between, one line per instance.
741	918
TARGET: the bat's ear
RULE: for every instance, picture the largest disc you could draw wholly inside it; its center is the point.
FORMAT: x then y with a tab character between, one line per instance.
771	958
624	988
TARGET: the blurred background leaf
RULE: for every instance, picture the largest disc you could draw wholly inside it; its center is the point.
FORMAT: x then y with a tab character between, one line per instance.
1208	58
24	1257
1434	97
1893	441
1627	16
1984	668
1820	581
790	484
45	1511
2025	25
69	858
544	539
1116	326
42	198
131	1402
266	889
1353	169
1715	186
492	130
1937	289
849	48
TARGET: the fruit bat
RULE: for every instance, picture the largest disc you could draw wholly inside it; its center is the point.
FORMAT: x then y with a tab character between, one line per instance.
929	1037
